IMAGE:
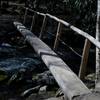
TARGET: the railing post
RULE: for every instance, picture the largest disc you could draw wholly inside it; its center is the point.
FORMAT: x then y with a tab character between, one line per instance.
43	26
25	16
58	35
83	69
33	21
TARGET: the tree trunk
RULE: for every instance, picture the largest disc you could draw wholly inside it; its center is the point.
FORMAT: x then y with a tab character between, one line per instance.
98	50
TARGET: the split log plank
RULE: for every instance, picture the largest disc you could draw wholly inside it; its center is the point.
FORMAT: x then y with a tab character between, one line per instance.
70	84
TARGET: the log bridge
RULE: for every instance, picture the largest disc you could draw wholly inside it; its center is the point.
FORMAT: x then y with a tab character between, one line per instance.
70	84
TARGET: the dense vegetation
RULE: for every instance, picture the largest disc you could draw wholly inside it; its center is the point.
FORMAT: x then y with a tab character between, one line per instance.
84	11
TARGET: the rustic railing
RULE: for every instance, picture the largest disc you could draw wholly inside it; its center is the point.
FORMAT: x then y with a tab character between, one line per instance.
70	84
88	41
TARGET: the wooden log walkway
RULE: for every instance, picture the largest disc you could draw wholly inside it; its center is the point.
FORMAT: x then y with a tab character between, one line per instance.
70	84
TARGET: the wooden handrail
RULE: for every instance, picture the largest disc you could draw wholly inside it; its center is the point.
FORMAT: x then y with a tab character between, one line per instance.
88	38
42	14
77	30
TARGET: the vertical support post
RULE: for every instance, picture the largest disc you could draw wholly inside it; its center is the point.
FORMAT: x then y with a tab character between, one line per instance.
33	21
43	26
83	69
97	83
58	35
25	16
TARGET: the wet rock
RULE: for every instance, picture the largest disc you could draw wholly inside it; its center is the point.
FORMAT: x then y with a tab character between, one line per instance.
90	80
14	64
45	78
30	91
59	93
40	82
6	45
43	89
91	77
